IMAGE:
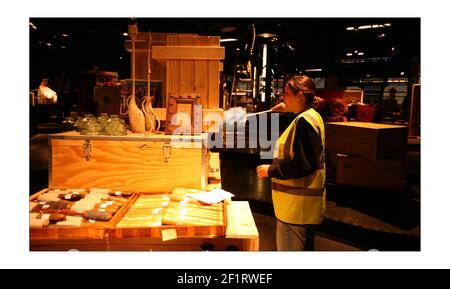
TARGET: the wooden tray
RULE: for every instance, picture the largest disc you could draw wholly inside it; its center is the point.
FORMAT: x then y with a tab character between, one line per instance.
95	230
182	230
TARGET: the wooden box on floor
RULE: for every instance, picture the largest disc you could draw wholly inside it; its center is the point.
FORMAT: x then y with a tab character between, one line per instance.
366	140
135	162
383	174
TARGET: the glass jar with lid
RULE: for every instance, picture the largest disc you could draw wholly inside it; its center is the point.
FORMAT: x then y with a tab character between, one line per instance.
89	124
102	120
115	126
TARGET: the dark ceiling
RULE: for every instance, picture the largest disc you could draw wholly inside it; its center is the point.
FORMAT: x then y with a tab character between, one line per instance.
301	42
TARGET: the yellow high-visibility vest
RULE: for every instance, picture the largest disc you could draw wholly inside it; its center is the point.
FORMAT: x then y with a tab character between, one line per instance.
300	200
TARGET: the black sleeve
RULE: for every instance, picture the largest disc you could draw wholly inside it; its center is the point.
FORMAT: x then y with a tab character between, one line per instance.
307	150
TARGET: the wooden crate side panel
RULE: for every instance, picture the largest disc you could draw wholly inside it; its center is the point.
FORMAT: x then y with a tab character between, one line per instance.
187	68
392	143
173	71
126	168
352	140
146	244
214	76
141	65
201	74
370	173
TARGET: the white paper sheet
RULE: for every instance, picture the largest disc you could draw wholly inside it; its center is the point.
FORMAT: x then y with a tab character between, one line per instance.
212	197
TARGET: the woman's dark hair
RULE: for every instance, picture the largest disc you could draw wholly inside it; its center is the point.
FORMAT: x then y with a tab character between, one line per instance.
304	84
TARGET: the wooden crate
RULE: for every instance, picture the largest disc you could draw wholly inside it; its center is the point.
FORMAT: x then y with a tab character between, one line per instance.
193	66
366	140
95	230
134	163
156	232
383	174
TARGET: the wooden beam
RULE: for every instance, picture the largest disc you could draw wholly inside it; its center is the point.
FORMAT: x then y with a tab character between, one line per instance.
188	53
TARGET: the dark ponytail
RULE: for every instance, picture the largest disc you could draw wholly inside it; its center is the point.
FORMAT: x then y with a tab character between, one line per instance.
304	84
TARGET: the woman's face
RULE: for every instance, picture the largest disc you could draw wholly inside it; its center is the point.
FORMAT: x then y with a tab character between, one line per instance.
290	99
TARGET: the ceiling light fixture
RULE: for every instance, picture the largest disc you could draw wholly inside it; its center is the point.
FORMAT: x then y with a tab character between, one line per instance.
365	27
350	28
314	70
267	35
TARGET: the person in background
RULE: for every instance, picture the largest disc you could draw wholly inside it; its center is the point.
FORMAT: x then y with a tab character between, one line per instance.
298	168
46	94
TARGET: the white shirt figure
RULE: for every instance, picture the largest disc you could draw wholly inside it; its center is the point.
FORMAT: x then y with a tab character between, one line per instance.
46	94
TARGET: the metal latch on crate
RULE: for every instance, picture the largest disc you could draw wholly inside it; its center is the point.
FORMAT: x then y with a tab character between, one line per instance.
166	152
87	150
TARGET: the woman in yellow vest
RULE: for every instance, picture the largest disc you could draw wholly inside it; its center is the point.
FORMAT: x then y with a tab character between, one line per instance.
298	168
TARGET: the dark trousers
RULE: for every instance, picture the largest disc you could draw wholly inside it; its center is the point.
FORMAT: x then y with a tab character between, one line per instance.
294	237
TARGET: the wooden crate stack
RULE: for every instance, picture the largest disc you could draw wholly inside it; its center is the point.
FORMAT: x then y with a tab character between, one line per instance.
366	154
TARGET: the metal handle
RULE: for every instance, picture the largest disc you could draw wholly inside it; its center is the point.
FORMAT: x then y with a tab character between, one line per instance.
87	150
166	152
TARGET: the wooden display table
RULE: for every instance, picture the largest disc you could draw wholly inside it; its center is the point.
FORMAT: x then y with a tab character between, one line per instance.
241	234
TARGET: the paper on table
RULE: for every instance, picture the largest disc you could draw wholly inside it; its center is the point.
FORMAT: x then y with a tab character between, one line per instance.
168	234
212	197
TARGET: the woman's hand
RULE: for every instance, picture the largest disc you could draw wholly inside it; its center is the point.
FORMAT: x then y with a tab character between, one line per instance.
262	171
281	107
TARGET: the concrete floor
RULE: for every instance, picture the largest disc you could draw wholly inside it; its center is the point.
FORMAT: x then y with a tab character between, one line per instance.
267	237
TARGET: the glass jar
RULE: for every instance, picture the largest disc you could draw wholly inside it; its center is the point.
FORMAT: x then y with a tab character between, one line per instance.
115	126
79	124
84	128
102	120
92	127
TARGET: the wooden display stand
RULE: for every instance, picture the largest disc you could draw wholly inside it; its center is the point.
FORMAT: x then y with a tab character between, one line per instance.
187	64
241	235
